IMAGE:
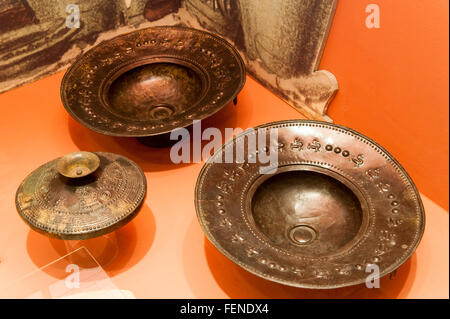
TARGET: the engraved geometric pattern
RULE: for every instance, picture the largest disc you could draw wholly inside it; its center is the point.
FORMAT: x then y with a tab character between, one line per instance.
71	209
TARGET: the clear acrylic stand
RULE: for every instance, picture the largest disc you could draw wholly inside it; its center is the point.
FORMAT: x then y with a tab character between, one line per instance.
78	275
104	248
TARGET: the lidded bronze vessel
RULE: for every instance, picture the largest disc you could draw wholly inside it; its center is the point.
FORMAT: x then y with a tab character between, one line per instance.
81	195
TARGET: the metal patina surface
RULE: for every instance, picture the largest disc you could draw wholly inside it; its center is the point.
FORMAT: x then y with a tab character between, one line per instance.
81	207
78	164
151	81
336	203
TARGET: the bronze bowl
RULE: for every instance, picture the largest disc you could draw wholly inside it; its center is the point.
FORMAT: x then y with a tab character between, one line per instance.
152	81
333	204
78	164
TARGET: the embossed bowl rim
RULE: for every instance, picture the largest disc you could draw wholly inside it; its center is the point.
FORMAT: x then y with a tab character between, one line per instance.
219	106
234	259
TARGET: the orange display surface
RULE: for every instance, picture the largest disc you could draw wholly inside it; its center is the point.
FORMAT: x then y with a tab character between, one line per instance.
163	253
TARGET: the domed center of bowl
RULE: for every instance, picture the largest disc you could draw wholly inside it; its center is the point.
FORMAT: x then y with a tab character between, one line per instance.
306	212
161	111
155	91
302	234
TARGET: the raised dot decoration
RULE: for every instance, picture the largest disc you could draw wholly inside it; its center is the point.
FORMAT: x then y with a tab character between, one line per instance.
337	150
267	264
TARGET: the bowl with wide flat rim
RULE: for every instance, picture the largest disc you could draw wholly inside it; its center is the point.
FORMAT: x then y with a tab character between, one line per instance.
331	207
151	81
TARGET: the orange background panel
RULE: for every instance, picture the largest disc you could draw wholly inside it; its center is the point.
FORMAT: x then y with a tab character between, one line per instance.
394	85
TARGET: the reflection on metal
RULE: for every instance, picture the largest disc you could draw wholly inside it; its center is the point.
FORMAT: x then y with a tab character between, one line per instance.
321	218
78	164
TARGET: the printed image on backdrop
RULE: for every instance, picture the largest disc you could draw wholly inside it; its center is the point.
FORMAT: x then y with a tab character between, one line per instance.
280	41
